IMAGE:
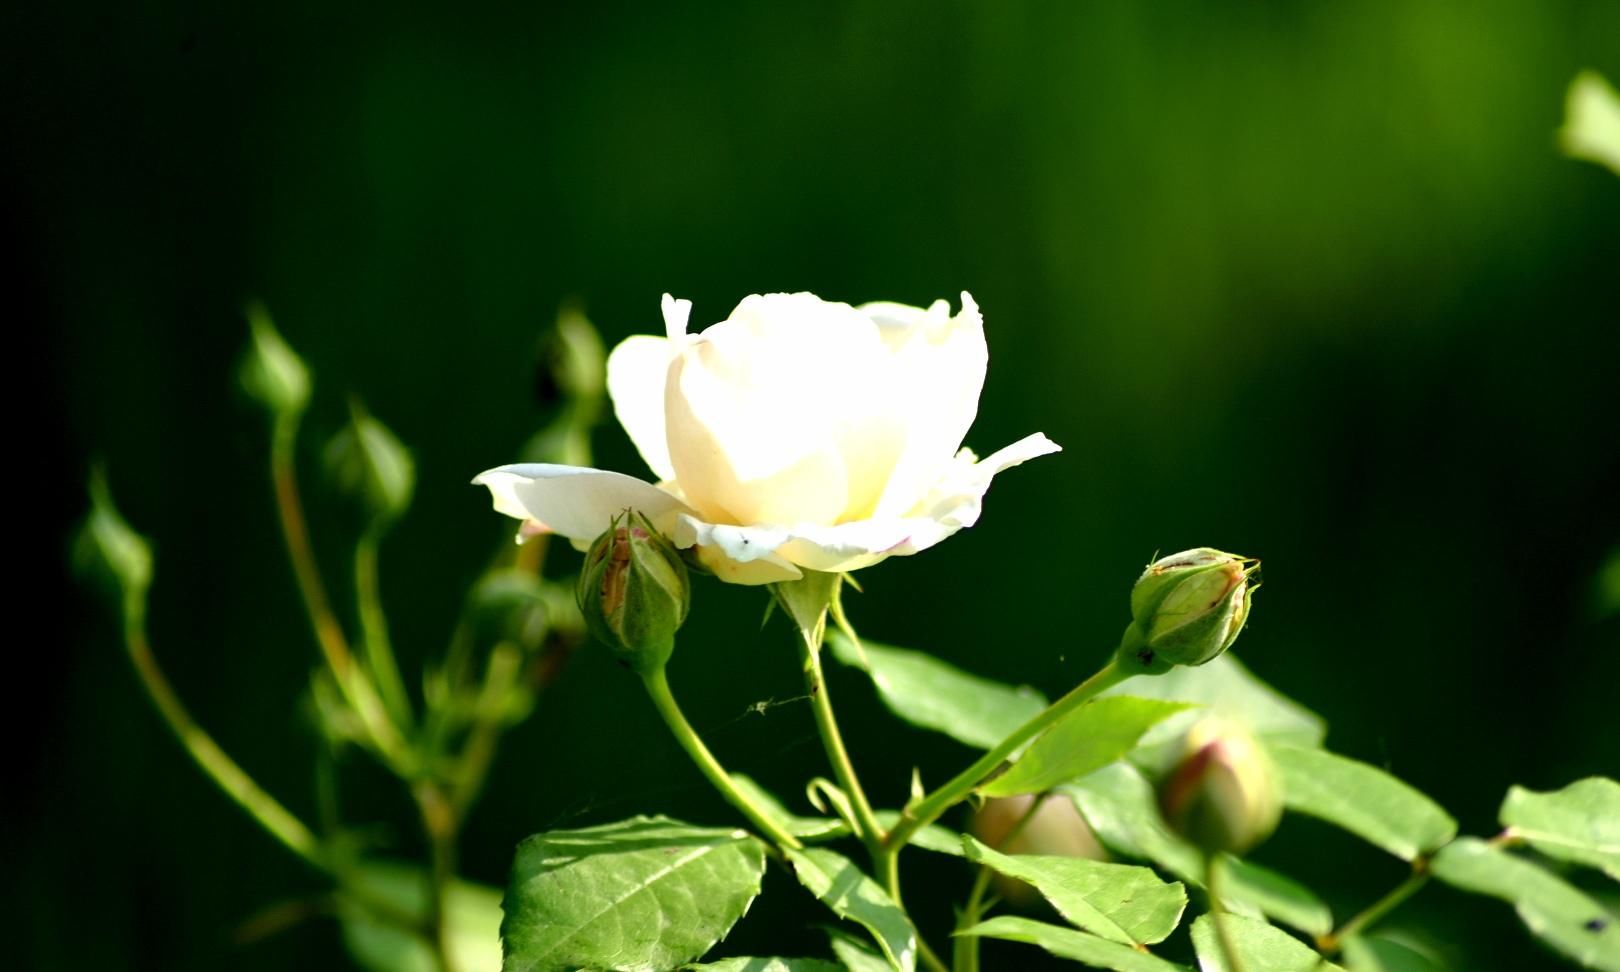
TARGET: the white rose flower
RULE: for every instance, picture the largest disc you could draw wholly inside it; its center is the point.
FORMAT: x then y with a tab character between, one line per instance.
797	434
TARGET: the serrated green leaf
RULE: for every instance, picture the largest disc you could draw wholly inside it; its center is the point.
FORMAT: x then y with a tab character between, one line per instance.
1070	944
1085	740
1374	954
850	894
1551	908
472	919
931	694
810	827
1259	947
1579	824
1249	887
1362	799
1120	806
1223	687
1120	902
768	965
643	893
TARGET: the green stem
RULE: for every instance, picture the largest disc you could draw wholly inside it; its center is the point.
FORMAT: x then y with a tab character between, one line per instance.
664	701
356	689
478	752
929	809
1378	909
276	819
1217	910
439	827
868	831
374	628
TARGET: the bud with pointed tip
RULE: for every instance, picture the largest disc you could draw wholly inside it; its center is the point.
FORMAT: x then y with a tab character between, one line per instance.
272	372
1224	795
370	464
633	592
107	542
1187	608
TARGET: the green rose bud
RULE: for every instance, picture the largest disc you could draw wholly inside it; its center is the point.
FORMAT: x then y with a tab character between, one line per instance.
1224	794
108	545
1188	608
1055	829
272	372
369	464
633	592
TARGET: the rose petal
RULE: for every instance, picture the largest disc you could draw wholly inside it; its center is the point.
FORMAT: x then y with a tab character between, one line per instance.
636	372
676	314
738	555
575	501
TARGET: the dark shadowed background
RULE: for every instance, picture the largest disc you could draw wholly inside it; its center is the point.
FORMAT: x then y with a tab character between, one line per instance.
1305	281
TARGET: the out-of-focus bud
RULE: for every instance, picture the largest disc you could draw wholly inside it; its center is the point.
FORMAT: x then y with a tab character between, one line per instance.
272	372
1056	828
572	364
633	592
370	465
1187	608
510	606
107	542
1225	793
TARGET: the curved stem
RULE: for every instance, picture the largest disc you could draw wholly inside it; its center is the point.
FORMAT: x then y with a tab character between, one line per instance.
1378	909
929	809
268	812
664	701
356	689
374	628
868	829
1217	910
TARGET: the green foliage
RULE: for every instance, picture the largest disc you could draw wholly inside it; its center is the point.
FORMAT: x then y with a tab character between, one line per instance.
1374	954
1119	805
1364	800
1225	688
1090	737
768	965
1070	944
643	893
856	955
472	921
1592	121
807	827
1119	902
930	694
1259	947
850	894
1554	910
1579	824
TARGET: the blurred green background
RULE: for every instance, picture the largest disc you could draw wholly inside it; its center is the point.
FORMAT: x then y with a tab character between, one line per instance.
1306	281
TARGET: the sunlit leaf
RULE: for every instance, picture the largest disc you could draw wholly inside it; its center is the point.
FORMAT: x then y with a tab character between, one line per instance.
1579	824
648	893
1070	944
1119	805
768	965
856	955
1550	907
1084	740
1362	799
850	894
1259	947
1120	902
810	827
928	693
1592	121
